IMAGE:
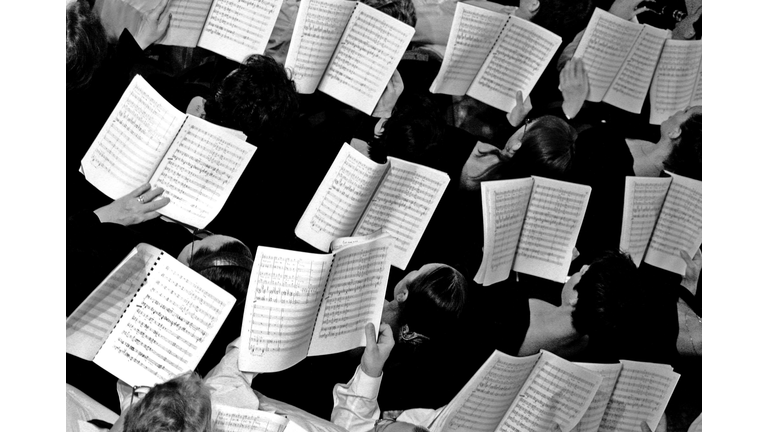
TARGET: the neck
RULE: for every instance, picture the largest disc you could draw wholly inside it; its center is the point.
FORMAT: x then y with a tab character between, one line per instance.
391	315
551	328
649	157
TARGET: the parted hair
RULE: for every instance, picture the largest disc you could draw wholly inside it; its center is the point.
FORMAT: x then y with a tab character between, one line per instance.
547	150
182	404
229	267
435	301
87	44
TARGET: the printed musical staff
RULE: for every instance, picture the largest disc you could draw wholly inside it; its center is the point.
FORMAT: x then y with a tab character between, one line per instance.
239	28
591	419
643	198
676	82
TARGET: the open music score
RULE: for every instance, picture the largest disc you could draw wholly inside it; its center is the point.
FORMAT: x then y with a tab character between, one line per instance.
365	58
169	317
490	56
642	393
662	216
677	81
531	226
225	418
591	419
301	304
358	196
318	29
146	139
232	28
620	57
529	393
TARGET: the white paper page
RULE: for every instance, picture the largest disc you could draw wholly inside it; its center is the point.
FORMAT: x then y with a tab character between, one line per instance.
643	198
225	418
188	18
696	99
629	88
486	397
551	228
679	226
557	392
473	33
344	242
90	324
340	199
239	28
354	297
284	295
603	48
591	419
167	327
641	394
403	206
370	49
131	143
674	81
319	25
504	206
516	62
200	171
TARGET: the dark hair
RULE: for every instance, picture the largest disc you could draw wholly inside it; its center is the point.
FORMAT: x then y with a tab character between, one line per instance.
258	98
547	150
685	157
229	266
87	44
415	126
402	10
564	17
435	301
607	295
182	404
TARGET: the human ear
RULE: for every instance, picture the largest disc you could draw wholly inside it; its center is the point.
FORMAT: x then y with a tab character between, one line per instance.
533	7
402	295
675	133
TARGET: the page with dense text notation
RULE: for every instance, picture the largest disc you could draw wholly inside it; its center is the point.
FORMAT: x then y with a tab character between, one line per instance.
591	419
239	28
675	81
551	227
643	198
340	199
318	29
225	418
473	33
354	296
366	58
603	48
133	141
283	299
167	327
188	18
515	63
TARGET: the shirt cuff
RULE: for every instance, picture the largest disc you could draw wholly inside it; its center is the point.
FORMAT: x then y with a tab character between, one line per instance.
364	385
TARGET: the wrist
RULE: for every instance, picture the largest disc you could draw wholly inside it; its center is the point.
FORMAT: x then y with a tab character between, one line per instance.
371	371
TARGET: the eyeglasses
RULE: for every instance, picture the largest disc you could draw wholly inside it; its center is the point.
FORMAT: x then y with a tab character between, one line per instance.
525	128
385	421
197	234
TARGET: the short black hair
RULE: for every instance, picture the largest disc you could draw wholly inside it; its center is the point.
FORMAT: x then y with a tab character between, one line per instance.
547	150
258	98
435	301
685	157
229	266
565	18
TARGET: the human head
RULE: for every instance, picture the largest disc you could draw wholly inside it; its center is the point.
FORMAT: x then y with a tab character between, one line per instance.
87	44
258	98
402	10
223	260
606	293
546	149
565	18
684	130
429	302
182	404
415	126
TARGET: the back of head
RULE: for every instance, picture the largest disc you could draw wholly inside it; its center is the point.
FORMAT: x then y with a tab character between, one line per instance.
182	404
606	294
87	44
258	98
229	267
546	150
415	126
435	301
564	17
685	157
402	10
